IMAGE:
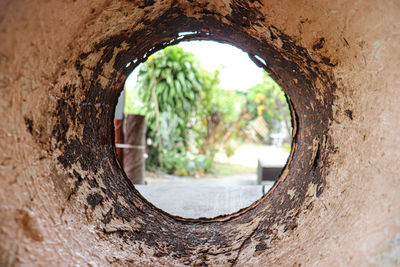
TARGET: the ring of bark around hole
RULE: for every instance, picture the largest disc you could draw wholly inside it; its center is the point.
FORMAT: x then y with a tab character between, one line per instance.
82	136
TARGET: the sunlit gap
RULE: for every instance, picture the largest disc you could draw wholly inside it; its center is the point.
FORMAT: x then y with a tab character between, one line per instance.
201	130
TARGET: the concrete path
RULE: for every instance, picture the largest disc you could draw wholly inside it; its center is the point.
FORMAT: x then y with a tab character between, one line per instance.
201	201
211	196
203	197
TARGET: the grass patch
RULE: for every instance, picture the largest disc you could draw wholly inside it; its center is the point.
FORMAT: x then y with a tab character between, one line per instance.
286	147
220	168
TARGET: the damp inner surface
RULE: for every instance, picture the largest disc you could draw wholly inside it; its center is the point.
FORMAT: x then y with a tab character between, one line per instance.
82	132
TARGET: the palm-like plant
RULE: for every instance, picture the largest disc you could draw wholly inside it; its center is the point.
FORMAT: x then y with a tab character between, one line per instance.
169	85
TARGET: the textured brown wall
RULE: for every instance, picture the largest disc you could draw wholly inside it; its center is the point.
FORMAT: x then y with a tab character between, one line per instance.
65	201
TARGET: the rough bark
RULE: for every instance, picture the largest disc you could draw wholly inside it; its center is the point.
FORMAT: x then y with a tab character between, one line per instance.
64	199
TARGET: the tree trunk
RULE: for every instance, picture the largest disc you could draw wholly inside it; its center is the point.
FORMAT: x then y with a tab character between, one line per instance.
134	139
119	138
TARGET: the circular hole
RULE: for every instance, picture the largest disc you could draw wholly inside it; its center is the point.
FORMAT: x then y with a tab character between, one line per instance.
214	126
86	151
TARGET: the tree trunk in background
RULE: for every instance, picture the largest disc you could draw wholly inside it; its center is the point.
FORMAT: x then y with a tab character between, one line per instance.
133	156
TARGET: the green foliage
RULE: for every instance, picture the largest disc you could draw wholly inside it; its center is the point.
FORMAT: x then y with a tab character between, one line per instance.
229	103
268	100
189	118
222	121
170	80
230	149
172	90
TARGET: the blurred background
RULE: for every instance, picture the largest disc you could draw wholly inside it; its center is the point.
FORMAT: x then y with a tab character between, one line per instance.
202	113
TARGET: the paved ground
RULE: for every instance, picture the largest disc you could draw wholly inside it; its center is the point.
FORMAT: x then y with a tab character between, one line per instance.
209	180
212	196
201	201
203	197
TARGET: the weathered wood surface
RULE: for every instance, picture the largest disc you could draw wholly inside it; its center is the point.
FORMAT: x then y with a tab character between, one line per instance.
64	199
